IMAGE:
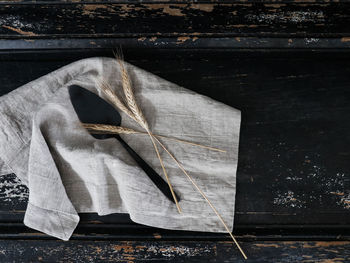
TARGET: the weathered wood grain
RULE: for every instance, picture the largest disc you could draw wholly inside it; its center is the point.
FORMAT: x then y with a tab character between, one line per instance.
174	20
197	42
148	251
170	1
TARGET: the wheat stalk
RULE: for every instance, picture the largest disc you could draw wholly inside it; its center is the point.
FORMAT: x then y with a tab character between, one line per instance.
111	129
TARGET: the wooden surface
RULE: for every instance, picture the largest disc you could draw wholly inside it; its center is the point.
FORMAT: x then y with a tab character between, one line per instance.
175	251
284	65
172	19
233	24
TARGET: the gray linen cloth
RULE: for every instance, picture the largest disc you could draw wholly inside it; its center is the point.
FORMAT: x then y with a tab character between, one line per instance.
68	172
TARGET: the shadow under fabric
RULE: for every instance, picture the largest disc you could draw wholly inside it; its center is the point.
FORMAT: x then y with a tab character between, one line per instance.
68	171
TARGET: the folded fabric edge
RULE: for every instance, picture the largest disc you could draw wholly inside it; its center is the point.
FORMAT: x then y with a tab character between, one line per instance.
16	165
53	223
192	224
12	147
4	168
236	132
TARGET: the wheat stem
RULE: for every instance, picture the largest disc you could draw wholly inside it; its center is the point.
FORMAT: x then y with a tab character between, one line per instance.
165	173
205	197
191	143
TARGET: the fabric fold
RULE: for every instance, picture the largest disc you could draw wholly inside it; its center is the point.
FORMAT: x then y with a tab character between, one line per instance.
47	195
57	223
69	172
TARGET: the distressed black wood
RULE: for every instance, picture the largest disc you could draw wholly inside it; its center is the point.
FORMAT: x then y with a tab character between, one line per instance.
174	19
338	44
150	251
284	64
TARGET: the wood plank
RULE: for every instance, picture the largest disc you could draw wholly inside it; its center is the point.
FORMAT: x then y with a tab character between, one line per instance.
181	42
52	20
168	1
153	251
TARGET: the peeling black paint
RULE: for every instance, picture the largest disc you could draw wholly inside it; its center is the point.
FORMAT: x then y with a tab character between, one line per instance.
132	20
133	252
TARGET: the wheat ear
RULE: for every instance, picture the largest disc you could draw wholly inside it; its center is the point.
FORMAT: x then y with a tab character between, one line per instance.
113	98
130	97
111	129
205	197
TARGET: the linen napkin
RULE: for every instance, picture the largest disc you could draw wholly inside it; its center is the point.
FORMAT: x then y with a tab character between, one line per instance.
68	172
